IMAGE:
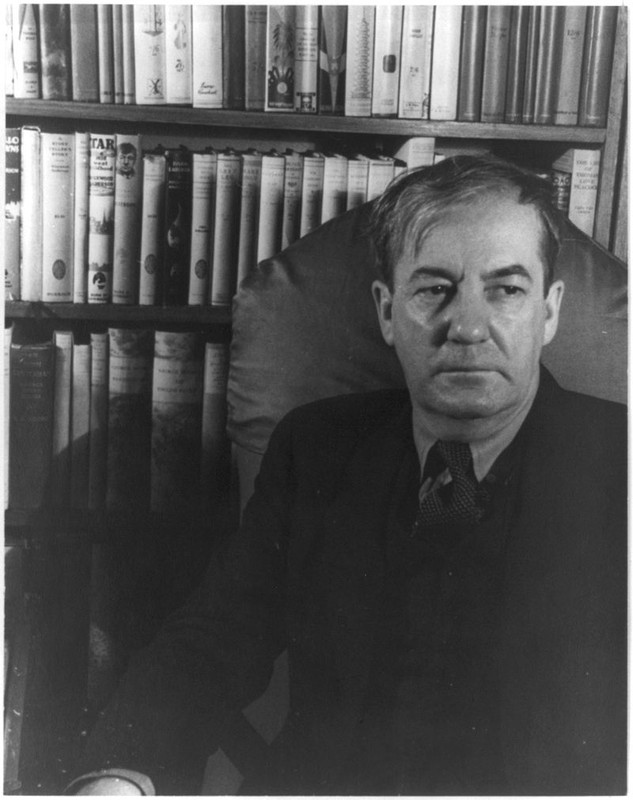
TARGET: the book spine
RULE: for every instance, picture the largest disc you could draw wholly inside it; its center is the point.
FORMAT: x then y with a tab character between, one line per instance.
334	187
415	69
380	174
225	228
176	421
31	220
207	56
129	92
531	63
83	46
178	55
98	446
12	213
417	151
568	92
311	192
255	58
549	62
9	68
80	427
597	65
233	55
153	209
26	52
117	53
357	171
6	399
447	27
271	204
177	228
106	53
215	445
55	51
306	59
203	177
293	181
360	60
584	189
128	187
493	91
517	58
149	54
562	188
62	394
386	61
101	217
280	58
80	218
249	209
58	183
471	69
332	59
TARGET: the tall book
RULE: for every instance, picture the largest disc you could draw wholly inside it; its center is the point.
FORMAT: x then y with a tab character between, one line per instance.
80	217
105	62
178	55
203	176
129	79
549	63
517	58
54	29
58	183
6	400
334	186
129	418
26	52
80	427
100	217
387	61
357	172
271	204
255	58
226	228
207	86
447	28
62	405
31	221
215	445
360	60
176	421
98	445
311	192
415	67
128	188
332	59
583	192
149	54
306	59
31	428
531	64
597	65
152	220
293	183
568	93
8	51
83	46
471	65
233	55
379	175
280	58
177	227
249	213
561	179
117	53
12	206
493	90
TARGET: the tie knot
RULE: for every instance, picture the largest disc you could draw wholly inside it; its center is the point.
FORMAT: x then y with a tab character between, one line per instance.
456	455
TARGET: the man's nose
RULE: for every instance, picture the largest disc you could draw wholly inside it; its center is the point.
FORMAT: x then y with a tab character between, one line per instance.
468	318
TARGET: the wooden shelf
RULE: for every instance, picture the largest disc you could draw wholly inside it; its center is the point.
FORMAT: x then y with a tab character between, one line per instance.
146	117
109	312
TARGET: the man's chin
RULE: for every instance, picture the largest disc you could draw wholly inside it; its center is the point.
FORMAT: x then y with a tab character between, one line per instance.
468	405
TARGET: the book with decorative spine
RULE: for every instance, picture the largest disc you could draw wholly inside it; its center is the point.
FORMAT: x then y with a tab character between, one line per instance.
597	65
129	80
280	58
255	58
249	212
293	182
360	60
568	93
54	34
97	470
206	37
105	52
447	28
203	177
583	192
271	204
357	172
152	220
493	89
80	427
415	67
58	165
332	59
178	58
31	219
177	227
387	61
117	53
226	227
12	213
128	187
62	404
311	192
215	444
26	52
149	54
80	217
306	59
233	55
517	58
334	186
101	217
471	64
83	46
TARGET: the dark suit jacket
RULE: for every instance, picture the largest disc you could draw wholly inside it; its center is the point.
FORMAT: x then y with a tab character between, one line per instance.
306	572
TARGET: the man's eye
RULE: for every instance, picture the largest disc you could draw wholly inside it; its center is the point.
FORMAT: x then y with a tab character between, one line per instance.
507	290
435	291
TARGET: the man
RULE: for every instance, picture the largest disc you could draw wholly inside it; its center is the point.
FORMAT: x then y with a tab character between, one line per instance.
446	566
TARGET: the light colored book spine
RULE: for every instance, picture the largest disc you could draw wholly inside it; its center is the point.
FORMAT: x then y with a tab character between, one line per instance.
117	53
6	399
12	213
178	49
417	151
249	209
58	162
584	189
357	172
379	176
312	192
80	427
62	394
280	58
447	28
207	56
271	204
26	55
129	92
214	439
386	61
9	68
306	59
225	228
255	49
415	68
149	54
204	172
293	181
568	95
360	60
101	217
128	187
97	471
153	208
334	187
80	218
105	53
31	231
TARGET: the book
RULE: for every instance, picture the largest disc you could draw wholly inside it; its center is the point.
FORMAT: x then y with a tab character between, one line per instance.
215	451
531	63
334	186
127	27
549	63
357	172
178	55
517	57
54	30
83	46
597	65
416	151
6	399
493	89
271	203
306	59
311	191
293	183
584	188
447	26
226	227
128	188
203	176
177	227
280	58
80	217
568	92
105	62
8	51
80	427
12	213
415	66
98	439
31	220
233	55
561	179
26	52
255	58
176	421
379	175
360	60
149	54
152	220
249	213
58	183
471	65
117	53
206	37
62	404
332	59
100	217
386	61
129	418
31	428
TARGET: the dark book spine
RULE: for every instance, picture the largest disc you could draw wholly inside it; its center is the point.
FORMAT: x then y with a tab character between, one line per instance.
55	51
597	65
83	41
233	55
493	90
517	57
177	227
471	63
531	60
106	53
255	58
549	59
332	49
12	198
562	189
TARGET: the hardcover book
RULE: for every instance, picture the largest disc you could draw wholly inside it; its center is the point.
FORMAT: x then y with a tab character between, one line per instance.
306	59
54	33
83	46
332	59
379	175
215	444
471	68
129	81
360	60
98	445
101	217
149	54
178	55
249	213
583	192
26	52
568	94
226	228
203	176
177	227
233	55
271	204
12	209
31	221
80	218
152	220
80	427
208	89
255	57
105	35
549	63
280	58
311	192
293	183
447	28
415	67
387	61
62	404
334	186
493	90
117	53
531	63
597	65
357	172
58	183
128	189
517	57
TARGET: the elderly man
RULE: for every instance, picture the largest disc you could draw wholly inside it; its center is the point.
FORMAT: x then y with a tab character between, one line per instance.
446	566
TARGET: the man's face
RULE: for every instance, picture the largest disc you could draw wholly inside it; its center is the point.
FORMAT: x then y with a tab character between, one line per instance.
468	316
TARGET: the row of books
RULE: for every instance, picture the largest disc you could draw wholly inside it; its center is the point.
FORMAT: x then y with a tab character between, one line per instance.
546	65
134	419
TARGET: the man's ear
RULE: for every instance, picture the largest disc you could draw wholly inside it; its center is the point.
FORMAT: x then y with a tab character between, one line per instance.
552	310
384	304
